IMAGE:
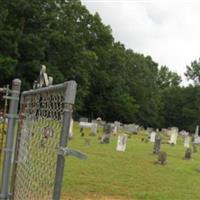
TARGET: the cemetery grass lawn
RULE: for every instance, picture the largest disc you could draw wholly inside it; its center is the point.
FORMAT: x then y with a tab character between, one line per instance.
108	174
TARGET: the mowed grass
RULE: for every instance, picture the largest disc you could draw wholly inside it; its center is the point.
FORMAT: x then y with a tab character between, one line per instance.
111	175
108	174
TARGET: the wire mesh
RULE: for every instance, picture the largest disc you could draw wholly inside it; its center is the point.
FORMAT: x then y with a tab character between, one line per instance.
41	116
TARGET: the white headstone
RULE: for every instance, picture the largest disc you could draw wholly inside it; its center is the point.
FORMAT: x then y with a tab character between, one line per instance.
174	135
197	140
85	125
121	142
114	129
187	141
152	136
94	128
197	131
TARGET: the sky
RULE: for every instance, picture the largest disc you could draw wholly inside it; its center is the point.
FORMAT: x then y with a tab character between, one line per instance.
168	31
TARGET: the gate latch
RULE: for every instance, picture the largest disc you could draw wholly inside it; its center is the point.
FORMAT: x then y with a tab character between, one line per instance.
65	151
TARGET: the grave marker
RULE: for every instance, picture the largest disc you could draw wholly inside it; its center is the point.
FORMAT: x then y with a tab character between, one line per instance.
157	144
152	136
187	141
173	136
121	142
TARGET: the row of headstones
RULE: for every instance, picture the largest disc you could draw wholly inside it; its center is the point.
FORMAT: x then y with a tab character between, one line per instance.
162	156
173	133
116	126
95	123
107	131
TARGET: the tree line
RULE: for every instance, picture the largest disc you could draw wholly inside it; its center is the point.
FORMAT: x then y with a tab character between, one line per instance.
114	83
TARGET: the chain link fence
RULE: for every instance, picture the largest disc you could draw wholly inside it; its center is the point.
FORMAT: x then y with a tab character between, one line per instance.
45	115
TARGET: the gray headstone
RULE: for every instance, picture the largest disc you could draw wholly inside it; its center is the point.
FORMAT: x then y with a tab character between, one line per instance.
157	144
107	132
162	158
188	154
83	119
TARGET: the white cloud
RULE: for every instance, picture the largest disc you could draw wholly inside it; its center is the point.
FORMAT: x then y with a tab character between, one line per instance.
167	31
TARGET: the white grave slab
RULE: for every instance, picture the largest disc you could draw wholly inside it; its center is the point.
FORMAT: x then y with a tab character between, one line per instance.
152	136
187	141
197	140
174	135
94	128
121	142
85	125
196	131
114	129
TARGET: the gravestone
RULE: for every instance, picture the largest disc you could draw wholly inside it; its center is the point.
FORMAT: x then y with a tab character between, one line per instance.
197	140
196	131
149	130
187	141
114	129
188	154
121	142
131	128
94	129
162	158
194	146
85	125
173	136
196	136
87	142
106	136
157	143
152	136
83	119
116	126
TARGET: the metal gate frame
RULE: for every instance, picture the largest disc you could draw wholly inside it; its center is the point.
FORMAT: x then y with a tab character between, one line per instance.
8	181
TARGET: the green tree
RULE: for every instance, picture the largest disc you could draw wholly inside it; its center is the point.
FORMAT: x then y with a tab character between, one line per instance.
166	78
193	72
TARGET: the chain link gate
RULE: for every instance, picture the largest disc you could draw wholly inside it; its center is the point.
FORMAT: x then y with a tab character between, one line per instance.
45	115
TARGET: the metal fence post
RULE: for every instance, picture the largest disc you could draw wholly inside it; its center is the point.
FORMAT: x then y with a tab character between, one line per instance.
8	150
67	114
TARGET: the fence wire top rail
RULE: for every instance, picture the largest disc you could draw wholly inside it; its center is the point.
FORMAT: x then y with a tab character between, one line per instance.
51	88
